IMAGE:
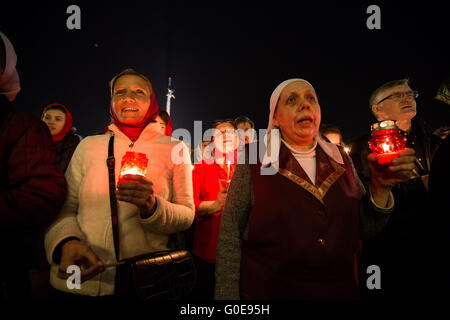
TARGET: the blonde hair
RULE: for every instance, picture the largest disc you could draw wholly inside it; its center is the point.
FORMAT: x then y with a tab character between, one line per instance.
126	72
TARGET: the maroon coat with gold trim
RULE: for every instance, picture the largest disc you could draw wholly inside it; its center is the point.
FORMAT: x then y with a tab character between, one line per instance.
297	240
303	245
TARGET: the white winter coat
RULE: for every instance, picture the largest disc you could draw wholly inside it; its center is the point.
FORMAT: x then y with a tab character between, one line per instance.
87	215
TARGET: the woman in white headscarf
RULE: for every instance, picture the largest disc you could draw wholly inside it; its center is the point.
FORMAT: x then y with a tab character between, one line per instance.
9	78
290	225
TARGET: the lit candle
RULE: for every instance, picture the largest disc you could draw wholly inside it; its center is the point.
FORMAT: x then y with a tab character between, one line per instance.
225	182
133	163
387	140
386	147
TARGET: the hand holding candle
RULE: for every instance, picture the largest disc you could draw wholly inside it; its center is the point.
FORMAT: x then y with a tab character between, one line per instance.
138	191
133	187
383	177
387	141
133	163
225	183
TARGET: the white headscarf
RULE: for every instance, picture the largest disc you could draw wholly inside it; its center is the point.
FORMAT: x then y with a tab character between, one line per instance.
273	138
9	80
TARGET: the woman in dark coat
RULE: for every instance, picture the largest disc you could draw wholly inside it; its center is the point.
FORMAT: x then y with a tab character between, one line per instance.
59	121
32	189
290	225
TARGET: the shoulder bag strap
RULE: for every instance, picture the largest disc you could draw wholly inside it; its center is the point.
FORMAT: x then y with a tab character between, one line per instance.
110	162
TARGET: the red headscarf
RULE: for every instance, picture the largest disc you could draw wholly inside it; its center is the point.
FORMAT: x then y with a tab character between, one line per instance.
67	124
134	130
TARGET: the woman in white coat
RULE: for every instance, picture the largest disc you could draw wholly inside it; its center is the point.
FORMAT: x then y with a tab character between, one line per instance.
149	210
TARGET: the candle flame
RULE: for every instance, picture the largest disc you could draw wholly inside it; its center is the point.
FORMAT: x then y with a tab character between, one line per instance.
386	147
228	170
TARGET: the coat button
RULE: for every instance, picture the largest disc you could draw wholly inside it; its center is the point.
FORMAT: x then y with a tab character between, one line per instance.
321	241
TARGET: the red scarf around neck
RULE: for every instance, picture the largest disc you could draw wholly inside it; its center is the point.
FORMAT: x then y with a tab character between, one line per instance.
133	131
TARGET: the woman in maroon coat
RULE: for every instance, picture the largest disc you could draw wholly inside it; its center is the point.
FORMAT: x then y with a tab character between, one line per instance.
290	225
32	189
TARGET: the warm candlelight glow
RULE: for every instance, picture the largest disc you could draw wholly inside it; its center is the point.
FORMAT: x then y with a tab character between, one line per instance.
387	140
386	146
133	163
131	170
225	182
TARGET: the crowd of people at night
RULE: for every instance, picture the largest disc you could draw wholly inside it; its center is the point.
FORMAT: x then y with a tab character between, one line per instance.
305	219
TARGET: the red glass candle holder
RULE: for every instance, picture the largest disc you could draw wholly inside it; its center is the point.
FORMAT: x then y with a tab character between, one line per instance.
387	140
133	163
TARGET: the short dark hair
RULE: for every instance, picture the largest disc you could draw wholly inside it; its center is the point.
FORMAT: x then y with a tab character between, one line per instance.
386	86
243	119
2	56
127	72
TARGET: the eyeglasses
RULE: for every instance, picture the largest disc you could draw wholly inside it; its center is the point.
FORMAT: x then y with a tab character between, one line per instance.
229	132
400	95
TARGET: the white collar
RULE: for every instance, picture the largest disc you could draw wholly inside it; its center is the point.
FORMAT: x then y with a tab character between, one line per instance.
300	152
273	141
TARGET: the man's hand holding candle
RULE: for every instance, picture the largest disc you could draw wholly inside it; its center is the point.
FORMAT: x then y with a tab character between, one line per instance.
385	176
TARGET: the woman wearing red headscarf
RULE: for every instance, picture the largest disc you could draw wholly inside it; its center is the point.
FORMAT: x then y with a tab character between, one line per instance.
150	208
59	121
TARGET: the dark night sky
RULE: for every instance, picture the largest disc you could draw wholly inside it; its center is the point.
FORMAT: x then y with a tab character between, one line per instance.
226	60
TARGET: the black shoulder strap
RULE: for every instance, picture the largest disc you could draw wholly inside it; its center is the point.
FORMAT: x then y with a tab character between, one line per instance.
110	162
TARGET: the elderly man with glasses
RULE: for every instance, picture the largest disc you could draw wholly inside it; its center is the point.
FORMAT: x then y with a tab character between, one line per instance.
403	249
